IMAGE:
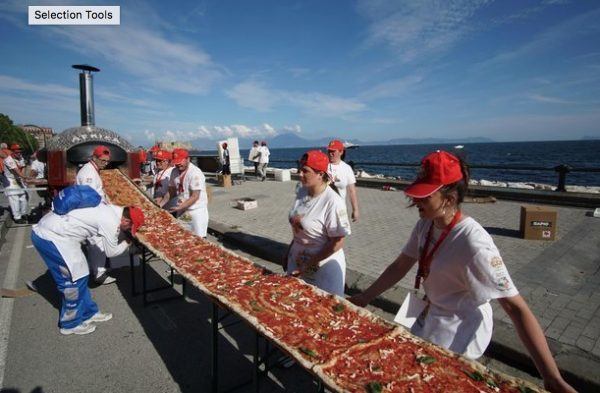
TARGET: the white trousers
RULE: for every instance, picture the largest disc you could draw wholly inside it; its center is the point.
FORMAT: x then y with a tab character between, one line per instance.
199	220
96	258
17	199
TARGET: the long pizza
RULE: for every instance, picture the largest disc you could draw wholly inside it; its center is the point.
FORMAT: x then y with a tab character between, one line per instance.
347	347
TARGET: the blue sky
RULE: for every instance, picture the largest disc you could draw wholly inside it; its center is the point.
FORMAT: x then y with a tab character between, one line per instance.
372	70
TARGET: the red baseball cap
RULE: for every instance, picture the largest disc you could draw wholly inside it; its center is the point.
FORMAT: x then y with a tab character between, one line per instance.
335	145
179	156
163	155
154	149
438	169
101	152
137	218
15	147
315	159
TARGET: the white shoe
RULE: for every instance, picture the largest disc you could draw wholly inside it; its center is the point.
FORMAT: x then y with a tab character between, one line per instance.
105	279
100	317
84	328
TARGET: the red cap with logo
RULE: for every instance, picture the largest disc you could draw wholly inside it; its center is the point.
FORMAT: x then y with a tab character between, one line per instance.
137	218
316	160
163	155
101	152
15	147
335	145
437	170
179	156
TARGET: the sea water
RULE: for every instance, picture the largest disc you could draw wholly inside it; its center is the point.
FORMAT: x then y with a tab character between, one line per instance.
577	154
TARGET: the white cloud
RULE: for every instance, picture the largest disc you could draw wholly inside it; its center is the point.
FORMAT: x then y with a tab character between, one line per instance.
293	128
254	95
391	88
258	96
146	47
195	132
548	99
9	83
419	29
580	27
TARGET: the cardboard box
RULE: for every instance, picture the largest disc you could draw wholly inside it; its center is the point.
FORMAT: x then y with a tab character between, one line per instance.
538	222
282	175
224	180
247	203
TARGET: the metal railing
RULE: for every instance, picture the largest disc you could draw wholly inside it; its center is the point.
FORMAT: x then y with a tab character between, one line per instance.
562	170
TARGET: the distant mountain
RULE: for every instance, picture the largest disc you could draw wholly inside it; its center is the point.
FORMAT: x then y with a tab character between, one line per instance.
293	140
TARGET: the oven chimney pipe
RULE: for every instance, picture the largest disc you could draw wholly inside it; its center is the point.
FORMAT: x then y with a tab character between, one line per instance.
86	93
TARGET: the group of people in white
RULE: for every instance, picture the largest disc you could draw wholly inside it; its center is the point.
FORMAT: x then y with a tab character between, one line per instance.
259	156
459	267
15	177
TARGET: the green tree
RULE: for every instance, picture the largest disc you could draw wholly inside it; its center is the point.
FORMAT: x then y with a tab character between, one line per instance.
10	133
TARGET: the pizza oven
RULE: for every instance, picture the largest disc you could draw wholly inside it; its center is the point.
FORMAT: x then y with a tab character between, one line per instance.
73	147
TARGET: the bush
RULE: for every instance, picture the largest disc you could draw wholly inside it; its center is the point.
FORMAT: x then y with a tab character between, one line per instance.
9	133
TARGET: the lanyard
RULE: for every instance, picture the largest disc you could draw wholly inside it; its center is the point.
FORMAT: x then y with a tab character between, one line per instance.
426	257
157	182
181	179
95	167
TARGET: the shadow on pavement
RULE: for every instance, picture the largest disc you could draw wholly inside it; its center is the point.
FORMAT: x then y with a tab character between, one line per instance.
180	331
503	232
46	287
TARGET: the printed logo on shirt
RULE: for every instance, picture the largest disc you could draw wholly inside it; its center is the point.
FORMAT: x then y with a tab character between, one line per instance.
502	282
496	262
343	218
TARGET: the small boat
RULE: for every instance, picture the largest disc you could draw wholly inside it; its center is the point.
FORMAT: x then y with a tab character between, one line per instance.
459	146
349	145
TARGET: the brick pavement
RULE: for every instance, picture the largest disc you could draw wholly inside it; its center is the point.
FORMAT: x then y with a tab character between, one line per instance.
560	279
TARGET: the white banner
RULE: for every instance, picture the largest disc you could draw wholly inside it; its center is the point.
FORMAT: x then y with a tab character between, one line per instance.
74	15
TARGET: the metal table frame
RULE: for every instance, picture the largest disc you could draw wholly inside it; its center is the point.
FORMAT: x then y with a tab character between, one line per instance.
148	256
260	360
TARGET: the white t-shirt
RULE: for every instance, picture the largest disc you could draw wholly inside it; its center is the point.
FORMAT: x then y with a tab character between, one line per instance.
343	176
314	221
161	183
69	231
10	163
264	155
465	274
252	156
88	175
39	167
191	180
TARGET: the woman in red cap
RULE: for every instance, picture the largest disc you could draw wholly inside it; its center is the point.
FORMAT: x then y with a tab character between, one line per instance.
461	270
342	175
162	179
319	222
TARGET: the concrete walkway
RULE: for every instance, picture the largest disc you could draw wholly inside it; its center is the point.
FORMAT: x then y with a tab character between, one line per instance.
559	279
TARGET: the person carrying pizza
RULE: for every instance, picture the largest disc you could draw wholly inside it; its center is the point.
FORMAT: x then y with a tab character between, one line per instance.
319	223
58	239
190	188
342	175
460	270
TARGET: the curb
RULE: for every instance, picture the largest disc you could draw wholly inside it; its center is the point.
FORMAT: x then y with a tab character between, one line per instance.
578	367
